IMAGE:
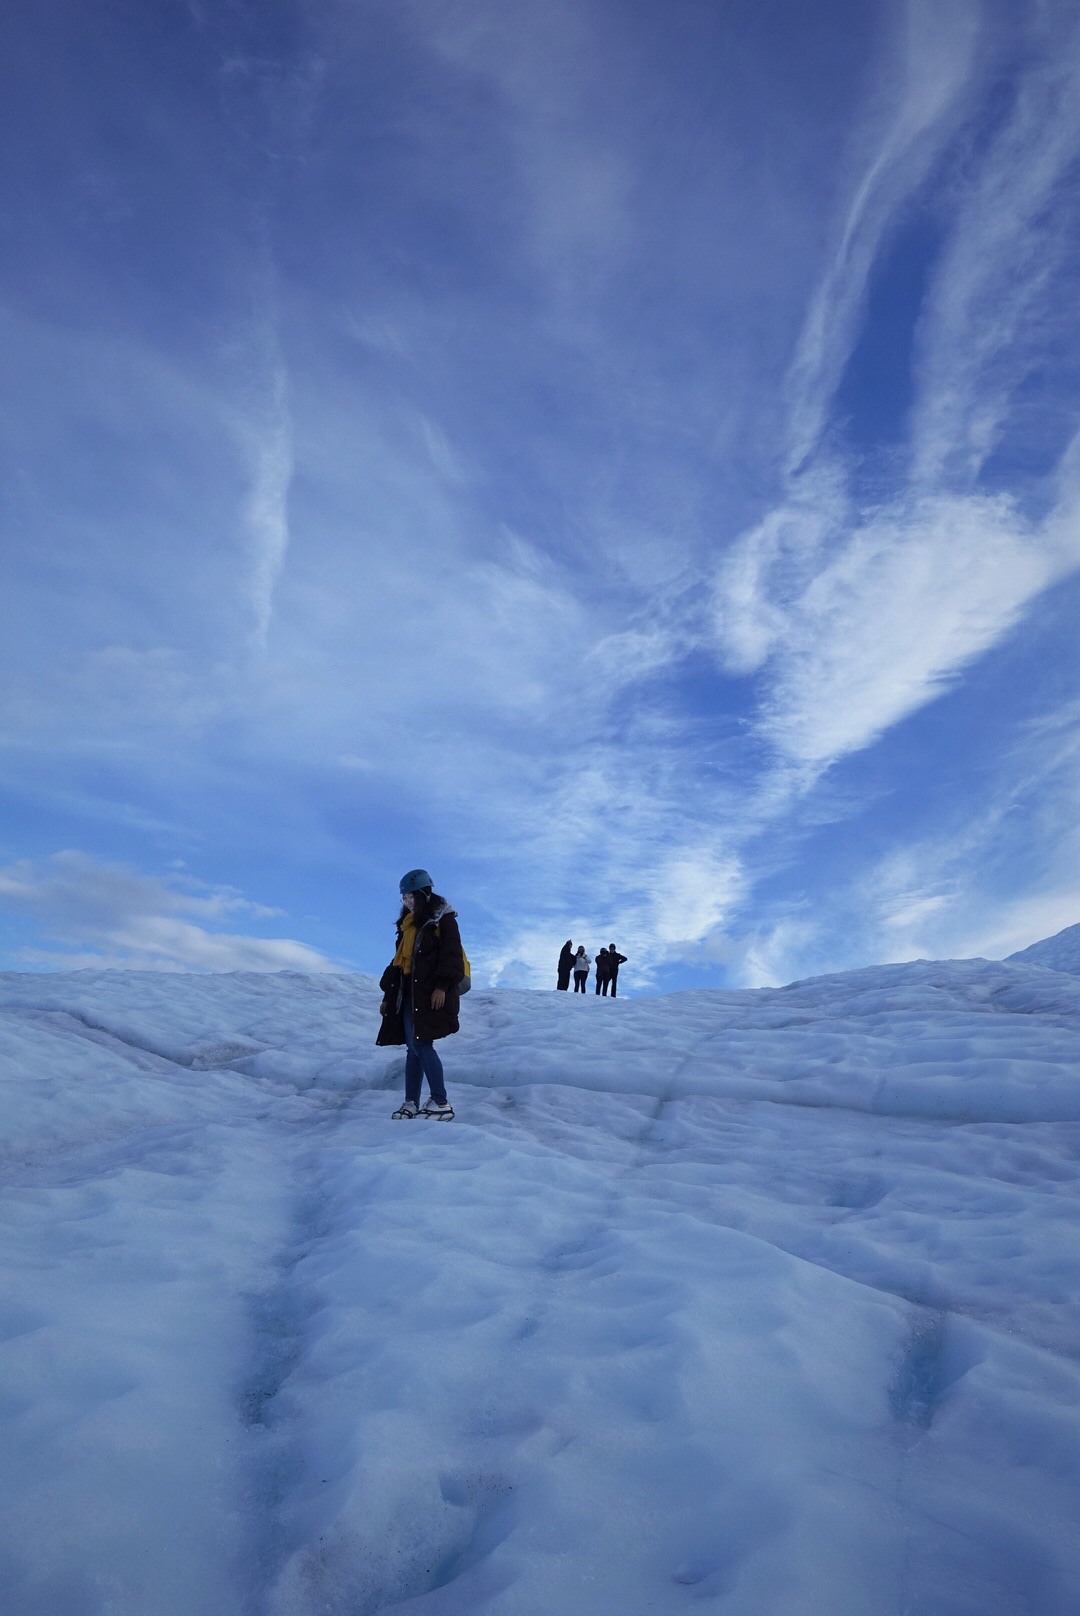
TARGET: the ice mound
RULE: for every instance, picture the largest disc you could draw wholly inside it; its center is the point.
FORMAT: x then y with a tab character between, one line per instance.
1059	953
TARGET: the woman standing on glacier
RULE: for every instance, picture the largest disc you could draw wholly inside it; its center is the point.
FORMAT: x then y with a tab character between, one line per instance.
421	992
582	962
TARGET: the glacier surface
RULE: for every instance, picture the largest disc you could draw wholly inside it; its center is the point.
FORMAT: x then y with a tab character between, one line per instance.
1060	953
759	1302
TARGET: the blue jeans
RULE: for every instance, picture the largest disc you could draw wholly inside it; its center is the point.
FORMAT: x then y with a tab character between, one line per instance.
421	1060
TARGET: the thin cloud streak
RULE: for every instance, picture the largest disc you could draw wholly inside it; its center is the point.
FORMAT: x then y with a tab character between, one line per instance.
947	896
990	317
937	54
267	443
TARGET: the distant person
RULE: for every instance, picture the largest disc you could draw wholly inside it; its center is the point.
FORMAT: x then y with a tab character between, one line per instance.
566	965
421	992
614	960
602	971
581	969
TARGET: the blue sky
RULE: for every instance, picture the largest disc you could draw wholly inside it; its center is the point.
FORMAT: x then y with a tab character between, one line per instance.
625	458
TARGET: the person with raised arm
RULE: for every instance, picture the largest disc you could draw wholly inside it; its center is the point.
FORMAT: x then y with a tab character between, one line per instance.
614	960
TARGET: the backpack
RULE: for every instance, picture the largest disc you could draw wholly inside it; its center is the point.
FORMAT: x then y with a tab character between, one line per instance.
466	981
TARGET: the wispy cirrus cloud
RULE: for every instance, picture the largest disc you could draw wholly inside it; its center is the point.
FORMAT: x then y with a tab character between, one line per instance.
266	439
259	412
884	613
951	894
920	100
856	617
1003	298
933	901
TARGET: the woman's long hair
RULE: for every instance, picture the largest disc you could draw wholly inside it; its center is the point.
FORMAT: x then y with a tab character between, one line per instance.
426	904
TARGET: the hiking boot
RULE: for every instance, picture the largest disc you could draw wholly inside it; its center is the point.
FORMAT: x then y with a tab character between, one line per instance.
408	1108
438	1108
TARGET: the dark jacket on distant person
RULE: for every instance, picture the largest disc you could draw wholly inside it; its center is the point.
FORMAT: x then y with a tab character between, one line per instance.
610	979
437	962
566	964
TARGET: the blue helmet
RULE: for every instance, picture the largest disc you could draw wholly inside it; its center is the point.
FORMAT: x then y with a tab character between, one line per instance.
414	881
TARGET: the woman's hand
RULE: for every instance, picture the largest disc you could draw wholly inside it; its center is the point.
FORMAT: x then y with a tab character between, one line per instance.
438	998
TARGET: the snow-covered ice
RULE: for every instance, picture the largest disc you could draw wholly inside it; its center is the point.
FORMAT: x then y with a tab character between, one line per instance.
761	1302
1060	953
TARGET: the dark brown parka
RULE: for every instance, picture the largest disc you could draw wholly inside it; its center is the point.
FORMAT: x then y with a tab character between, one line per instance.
437	962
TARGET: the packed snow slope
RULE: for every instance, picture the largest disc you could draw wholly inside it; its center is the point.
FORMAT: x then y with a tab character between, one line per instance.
1060	953
763	1303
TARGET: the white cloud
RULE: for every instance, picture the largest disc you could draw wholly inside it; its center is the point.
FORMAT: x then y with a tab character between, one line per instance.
773	955
108	915
943	913
542	61
692	892
657	910
1019	924
266	438
767	957
623	830
931	68
856	618
954	895
896	610
765	570
993	310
